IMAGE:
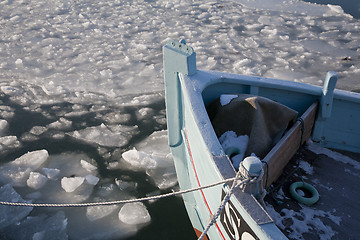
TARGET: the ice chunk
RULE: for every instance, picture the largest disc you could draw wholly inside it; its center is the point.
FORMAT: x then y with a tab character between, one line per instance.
139	159
108	136
51	173
134	213
36	180
40	227
88	166
38	130
61	124
163	177
8	142
155	144
17	172
70	184
91	179
97	212
11	214
125	186
3	127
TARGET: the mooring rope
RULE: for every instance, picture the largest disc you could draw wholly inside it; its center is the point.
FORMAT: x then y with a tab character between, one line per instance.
236	184
25	204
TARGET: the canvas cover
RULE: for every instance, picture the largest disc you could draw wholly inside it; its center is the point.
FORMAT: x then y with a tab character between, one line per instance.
263	120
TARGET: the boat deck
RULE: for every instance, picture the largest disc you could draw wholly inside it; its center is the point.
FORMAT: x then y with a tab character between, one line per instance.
336	215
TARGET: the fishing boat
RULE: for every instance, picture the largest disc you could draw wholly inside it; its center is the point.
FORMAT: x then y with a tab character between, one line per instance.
201	105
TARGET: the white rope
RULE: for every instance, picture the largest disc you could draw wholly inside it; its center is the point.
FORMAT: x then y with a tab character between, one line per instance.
24	204
214	217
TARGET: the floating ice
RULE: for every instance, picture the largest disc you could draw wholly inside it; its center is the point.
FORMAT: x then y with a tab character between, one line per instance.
91	179
4	125
17	172
88	166
38	130
61	124
103	135
11	214
139	159
8	142
155	159
125	185
36	180
51	173
97	212
134	213
70	184
41	227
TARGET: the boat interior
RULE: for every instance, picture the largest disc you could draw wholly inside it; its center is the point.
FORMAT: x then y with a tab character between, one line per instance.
279	134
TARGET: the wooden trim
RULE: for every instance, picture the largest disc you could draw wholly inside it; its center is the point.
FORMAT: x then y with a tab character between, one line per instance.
286	148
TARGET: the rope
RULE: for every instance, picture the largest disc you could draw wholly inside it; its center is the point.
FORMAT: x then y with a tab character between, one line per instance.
234	186
118	201
302	129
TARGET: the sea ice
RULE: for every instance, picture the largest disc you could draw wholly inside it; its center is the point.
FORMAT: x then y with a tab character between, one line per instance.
61	124
106	135
97	212
11	214
38	130
91	179
41	227
51	173
70	184
36	180
9	142
125	185
17	172
139	159
4	125
134	213
88	166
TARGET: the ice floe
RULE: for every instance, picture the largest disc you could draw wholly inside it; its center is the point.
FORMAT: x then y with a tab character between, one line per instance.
18	171
134	213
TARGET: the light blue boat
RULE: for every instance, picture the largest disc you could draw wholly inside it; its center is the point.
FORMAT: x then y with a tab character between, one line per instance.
330	118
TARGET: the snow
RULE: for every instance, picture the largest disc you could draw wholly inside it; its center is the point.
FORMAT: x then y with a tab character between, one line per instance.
226	98
234	146
83	81
335	155
305	221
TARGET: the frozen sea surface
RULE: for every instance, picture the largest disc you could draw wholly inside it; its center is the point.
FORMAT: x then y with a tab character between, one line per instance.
81	88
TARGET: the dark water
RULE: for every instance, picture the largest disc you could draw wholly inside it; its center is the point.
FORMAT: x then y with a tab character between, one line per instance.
351	7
